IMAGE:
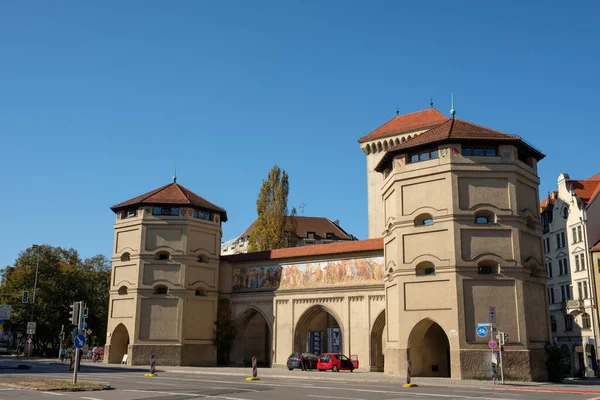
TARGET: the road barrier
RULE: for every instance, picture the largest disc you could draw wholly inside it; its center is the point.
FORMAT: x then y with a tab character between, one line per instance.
152	367
254	376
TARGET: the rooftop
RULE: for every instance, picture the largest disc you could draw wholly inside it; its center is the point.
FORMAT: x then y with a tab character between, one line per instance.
319	225
454	129
586	189
418	120
172	194
354	246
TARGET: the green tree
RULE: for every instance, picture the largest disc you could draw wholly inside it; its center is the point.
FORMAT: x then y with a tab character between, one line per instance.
557	362
62	279
274	229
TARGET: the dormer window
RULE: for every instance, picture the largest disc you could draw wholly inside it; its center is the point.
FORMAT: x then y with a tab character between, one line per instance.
310	235
165	211
329	235
128	213
423	155
480	151
206	215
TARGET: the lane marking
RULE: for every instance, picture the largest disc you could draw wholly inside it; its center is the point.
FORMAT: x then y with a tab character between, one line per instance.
157	383
54	394
332	397
90	398
185	394
574	391
230	388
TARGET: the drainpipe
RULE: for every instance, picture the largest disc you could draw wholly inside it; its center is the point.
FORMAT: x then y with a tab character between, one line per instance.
592	281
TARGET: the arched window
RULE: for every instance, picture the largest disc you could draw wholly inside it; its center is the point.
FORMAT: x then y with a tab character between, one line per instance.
202	259
425	268
487	267
568	322
201	292
161	289
163	255
123	290
553	323
484	217
424	219
125	257
585	321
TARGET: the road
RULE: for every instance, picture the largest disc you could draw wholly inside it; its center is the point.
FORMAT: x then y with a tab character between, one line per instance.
131	384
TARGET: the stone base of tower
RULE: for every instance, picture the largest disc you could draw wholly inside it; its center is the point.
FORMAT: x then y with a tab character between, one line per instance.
198	355
519	365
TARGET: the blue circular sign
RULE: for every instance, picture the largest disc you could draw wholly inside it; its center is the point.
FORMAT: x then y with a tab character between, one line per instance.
79	341
481	331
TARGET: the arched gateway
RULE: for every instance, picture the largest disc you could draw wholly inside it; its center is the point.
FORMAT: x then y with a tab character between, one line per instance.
318	331
253	339
377	343
429	350
119	344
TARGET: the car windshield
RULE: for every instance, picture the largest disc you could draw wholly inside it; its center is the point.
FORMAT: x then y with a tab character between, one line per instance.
325	358
294	355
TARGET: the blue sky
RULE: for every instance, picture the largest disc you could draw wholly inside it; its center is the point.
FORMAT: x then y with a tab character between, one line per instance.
100	100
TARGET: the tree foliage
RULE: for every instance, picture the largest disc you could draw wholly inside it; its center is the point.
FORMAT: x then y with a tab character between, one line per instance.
63	278
557	362
274	229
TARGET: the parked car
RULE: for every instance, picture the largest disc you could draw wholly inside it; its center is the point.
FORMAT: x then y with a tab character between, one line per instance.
336	362
295	361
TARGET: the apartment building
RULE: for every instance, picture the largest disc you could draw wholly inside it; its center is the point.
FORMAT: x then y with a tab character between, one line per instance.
570	227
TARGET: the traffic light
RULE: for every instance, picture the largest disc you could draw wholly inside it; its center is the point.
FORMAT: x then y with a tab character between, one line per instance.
74	313
25	297
502	338
85	312
60	336
505	338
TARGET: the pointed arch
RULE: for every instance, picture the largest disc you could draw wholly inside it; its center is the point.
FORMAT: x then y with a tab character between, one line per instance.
318	318
429	349
119	344
377	343
252	339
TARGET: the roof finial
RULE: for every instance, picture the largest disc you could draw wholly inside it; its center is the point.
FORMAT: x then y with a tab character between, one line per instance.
397	111
431	102
175	175
453	111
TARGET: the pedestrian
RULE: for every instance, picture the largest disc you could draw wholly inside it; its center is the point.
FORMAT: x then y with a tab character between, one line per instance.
63	353
95	354
304	362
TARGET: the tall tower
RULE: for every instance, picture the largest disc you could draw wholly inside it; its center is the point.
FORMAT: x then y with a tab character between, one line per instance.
375	144
164	281
463	241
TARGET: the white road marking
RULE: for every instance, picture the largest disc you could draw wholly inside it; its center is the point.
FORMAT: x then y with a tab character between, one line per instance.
90	398
185	394
229	388
332	397
157	383
54	393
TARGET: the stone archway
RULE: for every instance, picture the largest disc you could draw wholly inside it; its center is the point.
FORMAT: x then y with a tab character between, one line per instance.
429	350
119	343
377	343
253	339
318	331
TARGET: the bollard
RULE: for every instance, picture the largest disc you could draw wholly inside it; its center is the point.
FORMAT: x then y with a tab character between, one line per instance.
152	367
408	376
254	376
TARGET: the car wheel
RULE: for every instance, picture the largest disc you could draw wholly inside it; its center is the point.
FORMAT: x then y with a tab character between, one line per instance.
335	368
291	369
351	369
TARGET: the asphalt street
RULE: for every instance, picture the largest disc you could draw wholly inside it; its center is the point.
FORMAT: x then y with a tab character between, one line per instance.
132	384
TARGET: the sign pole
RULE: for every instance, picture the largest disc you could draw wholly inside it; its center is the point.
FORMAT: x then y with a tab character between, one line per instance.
493	369
77	349
501	344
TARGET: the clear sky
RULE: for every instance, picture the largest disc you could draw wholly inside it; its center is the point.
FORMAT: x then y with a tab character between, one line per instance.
100	100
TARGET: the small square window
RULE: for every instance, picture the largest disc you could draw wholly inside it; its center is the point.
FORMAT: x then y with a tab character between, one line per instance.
466	151
414	158
479	151
490	152
434	154
424	156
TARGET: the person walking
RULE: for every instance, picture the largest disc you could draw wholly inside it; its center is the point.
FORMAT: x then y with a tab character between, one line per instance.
63	353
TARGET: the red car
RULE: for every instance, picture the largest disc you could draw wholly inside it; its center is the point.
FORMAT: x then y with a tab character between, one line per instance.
336	362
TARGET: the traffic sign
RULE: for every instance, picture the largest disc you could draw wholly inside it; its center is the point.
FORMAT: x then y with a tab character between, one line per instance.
84	324
492	343
5	311
481	331
492	311
79	341
31	328
485	323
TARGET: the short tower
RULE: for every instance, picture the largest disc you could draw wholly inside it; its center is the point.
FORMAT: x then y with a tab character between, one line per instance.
165	271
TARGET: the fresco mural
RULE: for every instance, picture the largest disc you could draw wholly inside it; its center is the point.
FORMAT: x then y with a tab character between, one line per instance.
256	279
355	271
333	273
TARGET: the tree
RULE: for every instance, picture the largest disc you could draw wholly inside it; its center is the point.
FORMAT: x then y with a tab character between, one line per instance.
274	227
62	279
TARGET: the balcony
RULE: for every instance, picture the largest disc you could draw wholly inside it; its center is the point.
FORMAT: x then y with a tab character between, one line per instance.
572	305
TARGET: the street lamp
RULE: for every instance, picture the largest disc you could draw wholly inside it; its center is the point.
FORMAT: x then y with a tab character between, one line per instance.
35	246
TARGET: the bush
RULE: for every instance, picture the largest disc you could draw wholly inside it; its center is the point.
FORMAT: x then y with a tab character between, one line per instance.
557	362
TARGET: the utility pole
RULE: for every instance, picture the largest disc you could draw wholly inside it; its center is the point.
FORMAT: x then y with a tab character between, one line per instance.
77	314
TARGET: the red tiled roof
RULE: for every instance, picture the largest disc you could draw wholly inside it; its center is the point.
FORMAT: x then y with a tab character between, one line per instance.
585	190
319	225
407	123
596	247
544	203
172	194
353	246
454	129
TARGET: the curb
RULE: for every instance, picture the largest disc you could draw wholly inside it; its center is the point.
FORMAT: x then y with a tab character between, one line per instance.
57	389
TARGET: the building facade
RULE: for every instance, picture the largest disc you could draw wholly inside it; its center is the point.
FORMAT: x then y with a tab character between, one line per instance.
571	226
309	231
459	232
